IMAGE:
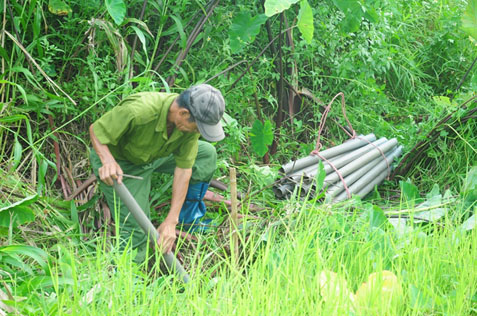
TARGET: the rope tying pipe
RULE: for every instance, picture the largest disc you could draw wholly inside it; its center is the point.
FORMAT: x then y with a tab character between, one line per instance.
352	135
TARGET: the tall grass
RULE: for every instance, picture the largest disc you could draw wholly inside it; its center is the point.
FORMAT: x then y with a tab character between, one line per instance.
279	273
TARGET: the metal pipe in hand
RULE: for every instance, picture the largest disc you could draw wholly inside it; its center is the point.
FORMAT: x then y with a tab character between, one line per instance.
149	229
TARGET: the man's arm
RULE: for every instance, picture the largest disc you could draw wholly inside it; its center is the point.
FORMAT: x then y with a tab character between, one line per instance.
110	169
167	230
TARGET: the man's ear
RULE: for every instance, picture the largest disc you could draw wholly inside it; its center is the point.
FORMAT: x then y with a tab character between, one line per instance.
184	112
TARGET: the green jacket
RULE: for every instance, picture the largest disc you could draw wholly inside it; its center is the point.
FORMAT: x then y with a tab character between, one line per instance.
135	130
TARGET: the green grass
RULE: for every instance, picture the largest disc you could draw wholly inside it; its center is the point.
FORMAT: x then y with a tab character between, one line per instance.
278	273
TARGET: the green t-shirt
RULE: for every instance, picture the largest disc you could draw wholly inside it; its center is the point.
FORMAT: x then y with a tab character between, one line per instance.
135	130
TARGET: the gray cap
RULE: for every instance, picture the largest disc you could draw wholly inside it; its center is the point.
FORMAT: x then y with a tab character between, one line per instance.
207	106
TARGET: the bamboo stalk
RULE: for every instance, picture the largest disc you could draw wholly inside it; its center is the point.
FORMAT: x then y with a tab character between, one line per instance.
234	247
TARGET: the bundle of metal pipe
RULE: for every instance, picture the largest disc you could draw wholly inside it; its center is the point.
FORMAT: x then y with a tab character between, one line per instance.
360	163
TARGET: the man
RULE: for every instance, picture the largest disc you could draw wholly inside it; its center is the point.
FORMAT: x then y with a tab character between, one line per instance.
158	132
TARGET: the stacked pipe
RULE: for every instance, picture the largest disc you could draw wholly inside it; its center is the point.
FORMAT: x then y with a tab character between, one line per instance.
362	163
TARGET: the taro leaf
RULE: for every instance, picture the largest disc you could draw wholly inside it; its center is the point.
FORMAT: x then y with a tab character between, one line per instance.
409	191
469	189
382	249
305	21
470	223
434	193
273	7
264	175
117	10
353	14
58	7
400	226
371	14
434	206
261	137
375	217
431	215
469	19
243	30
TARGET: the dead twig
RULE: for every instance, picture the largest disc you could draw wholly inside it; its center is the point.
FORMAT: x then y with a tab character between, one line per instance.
82	187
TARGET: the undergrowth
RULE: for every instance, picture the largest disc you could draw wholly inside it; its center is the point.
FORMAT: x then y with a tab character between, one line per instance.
401	74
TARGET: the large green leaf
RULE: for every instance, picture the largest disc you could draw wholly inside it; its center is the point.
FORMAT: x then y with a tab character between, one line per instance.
353	14
17	152
470	223
273	7
409	191
58	7
243	30
180	29
19	212
37	254
142	39
469	189
469	19
305	21
17	216
25	202
375	217
261	137
117	10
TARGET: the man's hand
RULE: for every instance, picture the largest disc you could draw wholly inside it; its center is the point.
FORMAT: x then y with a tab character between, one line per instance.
109	171
167	235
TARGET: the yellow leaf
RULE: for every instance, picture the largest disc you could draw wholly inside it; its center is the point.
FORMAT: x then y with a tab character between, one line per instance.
382	290
59	7
333	286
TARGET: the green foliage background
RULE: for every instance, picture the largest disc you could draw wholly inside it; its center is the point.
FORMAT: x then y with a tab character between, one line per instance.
402	65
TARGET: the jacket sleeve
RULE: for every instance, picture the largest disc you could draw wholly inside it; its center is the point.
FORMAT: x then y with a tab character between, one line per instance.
113	125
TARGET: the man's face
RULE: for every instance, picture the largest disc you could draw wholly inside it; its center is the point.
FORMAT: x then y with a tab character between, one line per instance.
183	124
